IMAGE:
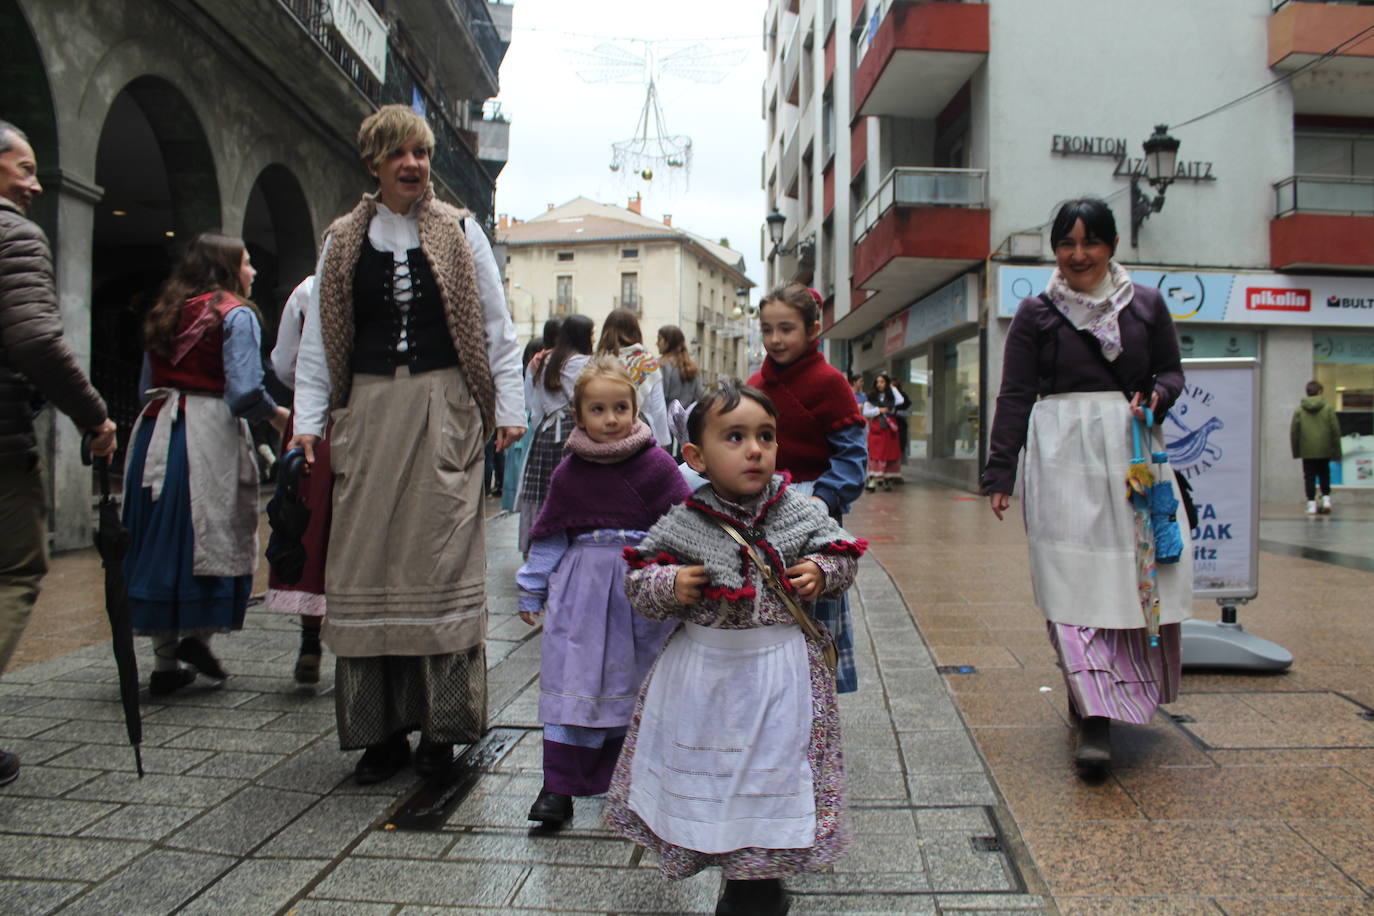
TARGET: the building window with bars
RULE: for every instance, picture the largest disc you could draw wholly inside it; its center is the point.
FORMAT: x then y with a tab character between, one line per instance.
565	255
564	302
629	254
629	291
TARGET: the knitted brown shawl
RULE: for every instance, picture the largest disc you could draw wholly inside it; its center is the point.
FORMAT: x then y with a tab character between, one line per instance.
443	243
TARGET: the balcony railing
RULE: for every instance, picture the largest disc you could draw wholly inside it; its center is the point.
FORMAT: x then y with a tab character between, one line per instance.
313	16
484	31
1338	195
922	187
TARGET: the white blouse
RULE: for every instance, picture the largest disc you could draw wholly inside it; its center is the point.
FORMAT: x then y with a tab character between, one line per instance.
398	234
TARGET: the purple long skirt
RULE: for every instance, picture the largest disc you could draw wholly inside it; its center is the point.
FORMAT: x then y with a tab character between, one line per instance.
596	653
1115	673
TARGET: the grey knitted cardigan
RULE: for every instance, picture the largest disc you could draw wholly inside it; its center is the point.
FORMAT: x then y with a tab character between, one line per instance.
784	524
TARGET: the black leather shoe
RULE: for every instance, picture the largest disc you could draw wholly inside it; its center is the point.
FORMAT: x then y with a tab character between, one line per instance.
164	682
765	897
382	761
552	808
9	767
1093	755
197	654
432	759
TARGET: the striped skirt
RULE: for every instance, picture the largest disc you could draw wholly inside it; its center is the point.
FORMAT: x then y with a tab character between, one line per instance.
1115	673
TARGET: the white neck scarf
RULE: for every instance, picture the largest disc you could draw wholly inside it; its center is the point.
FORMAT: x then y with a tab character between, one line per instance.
1097	312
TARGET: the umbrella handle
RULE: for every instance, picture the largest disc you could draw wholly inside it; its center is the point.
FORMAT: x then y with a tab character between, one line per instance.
101	465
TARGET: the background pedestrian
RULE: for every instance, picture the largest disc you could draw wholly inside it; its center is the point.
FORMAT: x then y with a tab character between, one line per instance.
620	336
548	393
1315	434
36	364
191	485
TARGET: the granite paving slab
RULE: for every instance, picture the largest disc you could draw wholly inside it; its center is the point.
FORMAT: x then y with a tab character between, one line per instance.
255	886
242	822
32	898
159	882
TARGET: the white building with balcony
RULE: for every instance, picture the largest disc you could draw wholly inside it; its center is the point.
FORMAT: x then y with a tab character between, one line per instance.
588	258
969	123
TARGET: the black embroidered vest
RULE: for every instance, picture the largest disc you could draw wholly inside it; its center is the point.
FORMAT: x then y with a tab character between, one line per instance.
390	333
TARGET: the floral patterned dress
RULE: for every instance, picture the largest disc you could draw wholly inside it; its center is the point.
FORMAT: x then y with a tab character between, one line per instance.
650	588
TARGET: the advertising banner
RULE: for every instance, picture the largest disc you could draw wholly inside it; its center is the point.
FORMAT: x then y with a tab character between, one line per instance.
358	24
1212	434
1230	298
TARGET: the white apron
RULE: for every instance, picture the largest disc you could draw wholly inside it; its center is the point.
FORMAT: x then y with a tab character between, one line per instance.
223	478
1079	523
728	769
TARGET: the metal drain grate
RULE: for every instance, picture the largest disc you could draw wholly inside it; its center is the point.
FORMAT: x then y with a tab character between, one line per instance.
986	844
1181	717
431	804
956	669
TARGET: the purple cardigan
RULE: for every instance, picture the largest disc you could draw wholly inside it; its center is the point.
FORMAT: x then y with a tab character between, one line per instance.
1044	355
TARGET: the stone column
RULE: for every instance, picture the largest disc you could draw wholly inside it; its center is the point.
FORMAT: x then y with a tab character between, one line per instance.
69	482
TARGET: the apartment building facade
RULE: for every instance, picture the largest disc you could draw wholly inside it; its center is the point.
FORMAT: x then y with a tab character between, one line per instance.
919	150
588	258
154	120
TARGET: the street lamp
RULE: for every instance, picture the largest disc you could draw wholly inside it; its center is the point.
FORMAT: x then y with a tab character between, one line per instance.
804	249
1161	158
741	303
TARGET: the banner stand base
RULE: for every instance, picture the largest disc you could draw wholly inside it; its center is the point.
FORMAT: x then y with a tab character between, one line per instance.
1209	644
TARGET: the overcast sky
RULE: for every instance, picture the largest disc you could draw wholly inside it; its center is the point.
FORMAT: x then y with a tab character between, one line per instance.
562	127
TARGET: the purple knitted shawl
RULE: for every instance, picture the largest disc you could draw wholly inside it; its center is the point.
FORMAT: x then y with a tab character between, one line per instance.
630	494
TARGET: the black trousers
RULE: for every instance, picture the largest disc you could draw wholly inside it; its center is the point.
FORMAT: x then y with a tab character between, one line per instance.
1314	469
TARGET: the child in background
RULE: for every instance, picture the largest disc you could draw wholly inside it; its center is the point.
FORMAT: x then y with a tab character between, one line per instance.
821	439
603	497
734	757
884	449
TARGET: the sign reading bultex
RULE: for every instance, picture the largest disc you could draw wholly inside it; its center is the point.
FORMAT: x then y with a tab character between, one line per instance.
364	31
1228	298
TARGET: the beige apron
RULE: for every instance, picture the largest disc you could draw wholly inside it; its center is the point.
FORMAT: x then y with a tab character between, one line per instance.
224	493
406	572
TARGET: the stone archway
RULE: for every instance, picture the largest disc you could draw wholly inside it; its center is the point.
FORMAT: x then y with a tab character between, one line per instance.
26	102
280	238
157	170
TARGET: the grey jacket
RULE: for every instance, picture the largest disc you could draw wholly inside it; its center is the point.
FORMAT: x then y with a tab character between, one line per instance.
34	357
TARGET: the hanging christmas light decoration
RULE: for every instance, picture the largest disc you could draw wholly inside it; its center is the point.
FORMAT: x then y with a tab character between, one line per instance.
653	149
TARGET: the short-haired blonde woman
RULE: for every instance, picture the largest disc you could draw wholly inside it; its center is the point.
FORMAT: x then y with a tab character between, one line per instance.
409	352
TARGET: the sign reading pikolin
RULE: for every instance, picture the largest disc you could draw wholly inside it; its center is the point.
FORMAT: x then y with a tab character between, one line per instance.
1269	299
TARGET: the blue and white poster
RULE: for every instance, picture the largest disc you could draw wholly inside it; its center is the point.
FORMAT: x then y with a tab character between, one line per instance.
1212	436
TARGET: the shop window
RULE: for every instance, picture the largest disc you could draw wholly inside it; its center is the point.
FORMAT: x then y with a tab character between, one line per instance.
917	388
565	294
1209	343
957	387
1344	364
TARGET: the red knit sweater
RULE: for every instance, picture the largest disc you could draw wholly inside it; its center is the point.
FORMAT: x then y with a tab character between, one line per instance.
813	400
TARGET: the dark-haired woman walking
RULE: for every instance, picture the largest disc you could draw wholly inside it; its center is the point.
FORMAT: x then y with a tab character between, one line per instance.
1081	359
191	488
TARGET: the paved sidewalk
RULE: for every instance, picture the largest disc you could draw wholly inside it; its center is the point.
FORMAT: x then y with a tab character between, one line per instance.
249	806
1252	794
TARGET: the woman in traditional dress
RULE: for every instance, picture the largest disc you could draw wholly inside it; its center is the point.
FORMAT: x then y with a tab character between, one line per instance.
1081	359
191	488
549	384
884	443
408	351
620	336
305	596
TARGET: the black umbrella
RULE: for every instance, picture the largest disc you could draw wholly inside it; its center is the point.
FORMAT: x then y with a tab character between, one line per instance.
112	541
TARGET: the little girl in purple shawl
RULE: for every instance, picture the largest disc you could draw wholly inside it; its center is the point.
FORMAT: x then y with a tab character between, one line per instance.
604	496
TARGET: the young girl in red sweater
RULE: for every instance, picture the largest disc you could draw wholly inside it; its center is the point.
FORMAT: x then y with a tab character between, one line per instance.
821	433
